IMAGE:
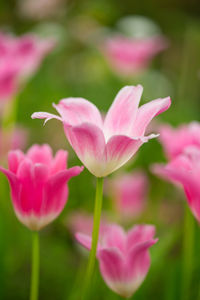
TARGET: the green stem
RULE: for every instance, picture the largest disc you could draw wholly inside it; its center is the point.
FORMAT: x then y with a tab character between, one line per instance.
95	236
188	252
35	266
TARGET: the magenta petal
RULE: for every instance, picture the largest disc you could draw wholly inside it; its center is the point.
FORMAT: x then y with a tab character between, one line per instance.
75	111
121	114
139	234
59	162
14	159
147	112
119	150
88	142
40	154
114	237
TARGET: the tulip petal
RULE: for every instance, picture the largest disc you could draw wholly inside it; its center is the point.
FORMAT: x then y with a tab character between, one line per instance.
40	154
121	114
45	115
14	159
84	239
88	142
75	111
147	112
59	162
139	234
114	237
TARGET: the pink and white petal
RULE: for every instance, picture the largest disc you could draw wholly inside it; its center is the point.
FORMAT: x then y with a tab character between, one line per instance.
114	236
121	114
59	162
147	112
40	154
85	240
14	159
46	116
139	234
75	111
88	142
119	150
138	260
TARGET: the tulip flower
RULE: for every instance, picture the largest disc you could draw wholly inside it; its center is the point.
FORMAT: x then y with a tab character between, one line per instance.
128	193
175	140
124	258
104	146
38	192
128	56
38	184
185	169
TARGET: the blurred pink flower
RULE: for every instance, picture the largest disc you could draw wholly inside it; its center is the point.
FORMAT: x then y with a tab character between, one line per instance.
128	56
128	193
38	184
104	146
175	140
20	57
83	222
123	257
184	169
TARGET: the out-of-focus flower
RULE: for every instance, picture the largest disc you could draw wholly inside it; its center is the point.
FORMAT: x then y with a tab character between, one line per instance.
40	9
185	169
124	258
20	57
38	184
128	193
128	56
176	140
104	146
15	140
83	222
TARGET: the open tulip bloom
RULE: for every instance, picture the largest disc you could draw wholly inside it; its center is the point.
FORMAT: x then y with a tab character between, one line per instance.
38	191
124	258
104	145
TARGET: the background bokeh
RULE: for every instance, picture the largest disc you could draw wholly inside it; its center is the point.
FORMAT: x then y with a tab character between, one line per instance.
76	67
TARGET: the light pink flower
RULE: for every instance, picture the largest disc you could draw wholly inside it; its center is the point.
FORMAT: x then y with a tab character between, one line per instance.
175	140
128	56
38	184
185	169
20	57
124	258
128	192
105	145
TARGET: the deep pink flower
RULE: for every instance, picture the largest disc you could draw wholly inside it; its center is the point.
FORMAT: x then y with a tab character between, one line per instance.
19	59
185	169
128	55
124	258
175	140
38	184
128	192
105	145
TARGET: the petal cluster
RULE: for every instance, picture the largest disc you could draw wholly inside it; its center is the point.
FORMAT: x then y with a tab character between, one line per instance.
128	192
124	258
19	59
38	184
128	56
185	169
105	145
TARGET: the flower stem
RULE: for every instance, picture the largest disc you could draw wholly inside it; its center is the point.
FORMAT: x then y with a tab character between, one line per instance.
95	236
35	266
188	247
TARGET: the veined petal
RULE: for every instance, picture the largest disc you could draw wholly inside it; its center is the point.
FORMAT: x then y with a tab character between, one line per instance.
45	115
75	111
121	114
88	142
147	112
119	150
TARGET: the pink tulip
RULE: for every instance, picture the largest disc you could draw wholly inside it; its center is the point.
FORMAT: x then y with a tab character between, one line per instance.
124	258
128	56
175	140
20	57
185	170
105	145
128	193
38	184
